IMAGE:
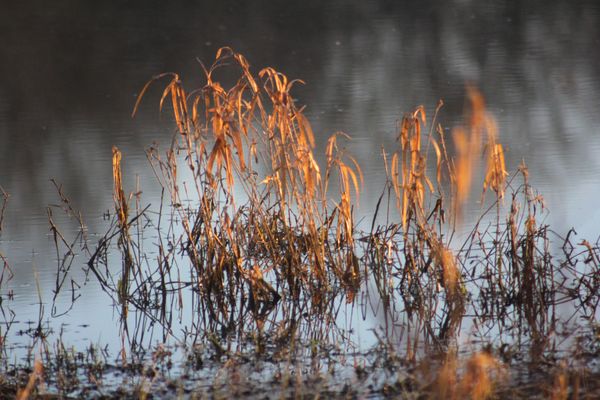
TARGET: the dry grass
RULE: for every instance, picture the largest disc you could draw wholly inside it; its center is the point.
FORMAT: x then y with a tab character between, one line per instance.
256	244
34	379
475	379
268	250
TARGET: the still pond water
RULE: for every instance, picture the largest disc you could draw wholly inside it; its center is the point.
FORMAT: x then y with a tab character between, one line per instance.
71	72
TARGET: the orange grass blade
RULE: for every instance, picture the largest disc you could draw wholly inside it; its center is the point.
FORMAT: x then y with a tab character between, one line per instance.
118	194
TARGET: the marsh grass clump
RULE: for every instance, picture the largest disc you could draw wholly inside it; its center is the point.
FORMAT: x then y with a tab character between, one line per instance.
257	244
287	238
293	196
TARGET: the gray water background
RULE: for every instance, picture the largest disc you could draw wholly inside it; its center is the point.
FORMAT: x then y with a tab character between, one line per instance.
70	73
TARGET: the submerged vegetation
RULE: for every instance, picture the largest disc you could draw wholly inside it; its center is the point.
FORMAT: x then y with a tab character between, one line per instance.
256	246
